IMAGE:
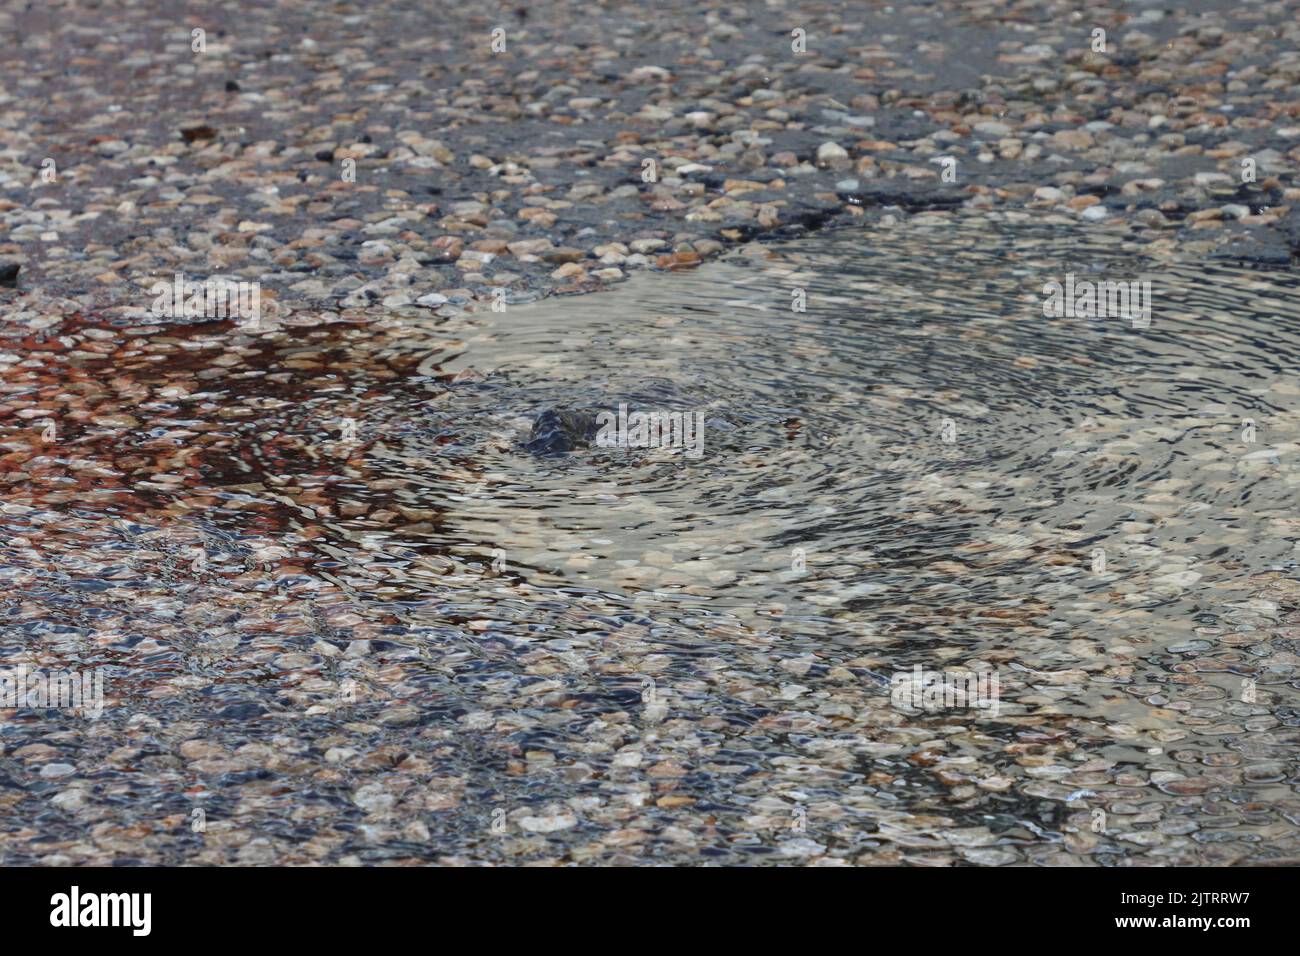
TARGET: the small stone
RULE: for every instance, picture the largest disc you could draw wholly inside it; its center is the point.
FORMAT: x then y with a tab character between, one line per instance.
1213	179
801	847
674	800
373	798
529	247
831	153
563	254
195	134
549	823
69	800
1072	139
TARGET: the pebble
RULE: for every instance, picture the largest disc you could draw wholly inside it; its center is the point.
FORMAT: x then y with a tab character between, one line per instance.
829	154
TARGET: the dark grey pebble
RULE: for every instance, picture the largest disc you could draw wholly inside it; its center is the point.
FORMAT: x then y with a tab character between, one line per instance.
558	431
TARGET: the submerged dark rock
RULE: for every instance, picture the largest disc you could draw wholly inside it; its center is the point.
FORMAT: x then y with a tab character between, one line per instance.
558	431
9	273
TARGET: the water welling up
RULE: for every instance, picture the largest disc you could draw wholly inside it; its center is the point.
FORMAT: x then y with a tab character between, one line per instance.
924	572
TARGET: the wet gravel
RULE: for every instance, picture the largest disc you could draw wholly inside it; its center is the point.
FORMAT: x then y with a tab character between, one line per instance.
346	616
524	170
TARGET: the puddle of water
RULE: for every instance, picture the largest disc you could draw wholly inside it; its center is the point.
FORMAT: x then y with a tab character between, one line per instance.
309	548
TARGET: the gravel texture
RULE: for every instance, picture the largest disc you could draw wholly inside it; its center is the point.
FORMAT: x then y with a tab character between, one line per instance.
307	664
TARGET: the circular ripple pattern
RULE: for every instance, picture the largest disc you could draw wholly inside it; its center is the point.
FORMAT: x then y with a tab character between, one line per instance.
336	595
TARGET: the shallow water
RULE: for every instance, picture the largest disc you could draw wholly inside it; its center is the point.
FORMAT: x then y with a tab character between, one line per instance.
407	638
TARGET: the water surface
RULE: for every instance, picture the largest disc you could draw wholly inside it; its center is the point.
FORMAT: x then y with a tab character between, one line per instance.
410	639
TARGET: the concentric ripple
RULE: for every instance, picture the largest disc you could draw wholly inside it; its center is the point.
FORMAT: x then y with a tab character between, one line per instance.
671	653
